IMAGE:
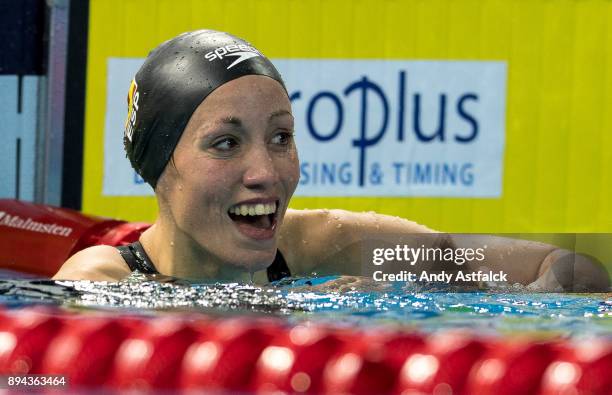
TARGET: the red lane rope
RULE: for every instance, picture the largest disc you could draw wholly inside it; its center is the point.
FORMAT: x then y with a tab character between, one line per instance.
255	355
261	355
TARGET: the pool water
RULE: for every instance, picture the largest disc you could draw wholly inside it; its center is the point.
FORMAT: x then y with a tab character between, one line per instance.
501	311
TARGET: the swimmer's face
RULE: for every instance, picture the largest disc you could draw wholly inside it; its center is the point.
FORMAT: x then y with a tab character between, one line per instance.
233	172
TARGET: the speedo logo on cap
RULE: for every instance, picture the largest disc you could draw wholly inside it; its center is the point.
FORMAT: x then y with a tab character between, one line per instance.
241	52
132	100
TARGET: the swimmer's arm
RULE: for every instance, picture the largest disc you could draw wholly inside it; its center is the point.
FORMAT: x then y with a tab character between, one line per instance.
98	263
519	259
541	266
329	241
564	270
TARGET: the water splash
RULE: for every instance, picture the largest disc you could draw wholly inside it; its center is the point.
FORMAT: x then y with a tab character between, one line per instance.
502	311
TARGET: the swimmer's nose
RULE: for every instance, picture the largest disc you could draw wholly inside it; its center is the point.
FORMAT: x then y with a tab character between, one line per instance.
261	171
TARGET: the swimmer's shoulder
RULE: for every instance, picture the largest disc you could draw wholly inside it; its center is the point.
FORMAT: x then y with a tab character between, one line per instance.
331	218
297	241
314	238
320	224
97	263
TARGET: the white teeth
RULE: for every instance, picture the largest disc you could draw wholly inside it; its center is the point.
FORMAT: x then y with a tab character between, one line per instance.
253	209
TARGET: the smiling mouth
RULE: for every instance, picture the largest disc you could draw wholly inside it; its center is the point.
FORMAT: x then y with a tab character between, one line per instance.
256	220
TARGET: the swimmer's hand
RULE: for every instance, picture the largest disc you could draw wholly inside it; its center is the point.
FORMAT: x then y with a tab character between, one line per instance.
346	284
566	271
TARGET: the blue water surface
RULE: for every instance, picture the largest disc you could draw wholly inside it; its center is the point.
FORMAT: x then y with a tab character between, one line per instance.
508	311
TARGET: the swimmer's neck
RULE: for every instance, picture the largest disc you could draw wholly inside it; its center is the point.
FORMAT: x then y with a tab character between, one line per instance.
174	254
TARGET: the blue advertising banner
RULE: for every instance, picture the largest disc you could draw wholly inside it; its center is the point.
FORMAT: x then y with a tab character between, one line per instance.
369	127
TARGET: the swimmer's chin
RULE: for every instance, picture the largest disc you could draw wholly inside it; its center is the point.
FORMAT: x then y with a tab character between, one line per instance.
251	266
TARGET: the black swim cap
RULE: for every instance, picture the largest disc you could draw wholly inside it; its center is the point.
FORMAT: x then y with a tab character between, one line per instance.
174	79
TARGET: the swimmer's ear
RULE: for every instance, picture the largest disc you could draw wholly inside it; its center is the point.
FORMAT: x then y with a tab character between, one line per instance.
173	164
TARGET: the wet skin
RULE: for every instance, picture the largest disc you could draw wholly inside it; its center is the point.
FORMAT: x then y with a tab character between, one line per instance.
237	148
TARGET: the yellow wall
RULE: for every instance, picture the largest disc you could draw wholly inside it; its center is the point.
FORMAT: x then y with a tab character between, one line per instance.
558	158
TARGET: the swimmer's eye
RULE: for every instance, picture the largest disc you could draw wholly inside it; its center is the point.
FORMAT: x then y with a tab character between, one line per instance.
225	144
282	138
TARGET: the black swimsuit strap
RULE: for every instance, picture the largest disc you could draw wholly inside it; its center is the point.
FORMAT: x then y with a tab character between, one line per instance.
278	269
137	259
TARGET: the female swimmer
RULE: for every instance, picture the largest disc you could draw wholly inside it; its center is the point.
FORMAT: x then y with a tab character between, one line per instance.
210	128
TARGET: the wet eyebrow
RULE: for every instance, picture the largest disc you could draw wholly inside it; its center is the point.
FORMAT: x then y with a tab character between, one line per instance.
279	113
231	120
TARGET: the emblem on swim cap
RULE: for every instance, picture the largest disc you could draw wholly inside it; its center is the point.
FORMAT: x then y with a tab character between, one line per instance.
132	102
174	79
243	52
